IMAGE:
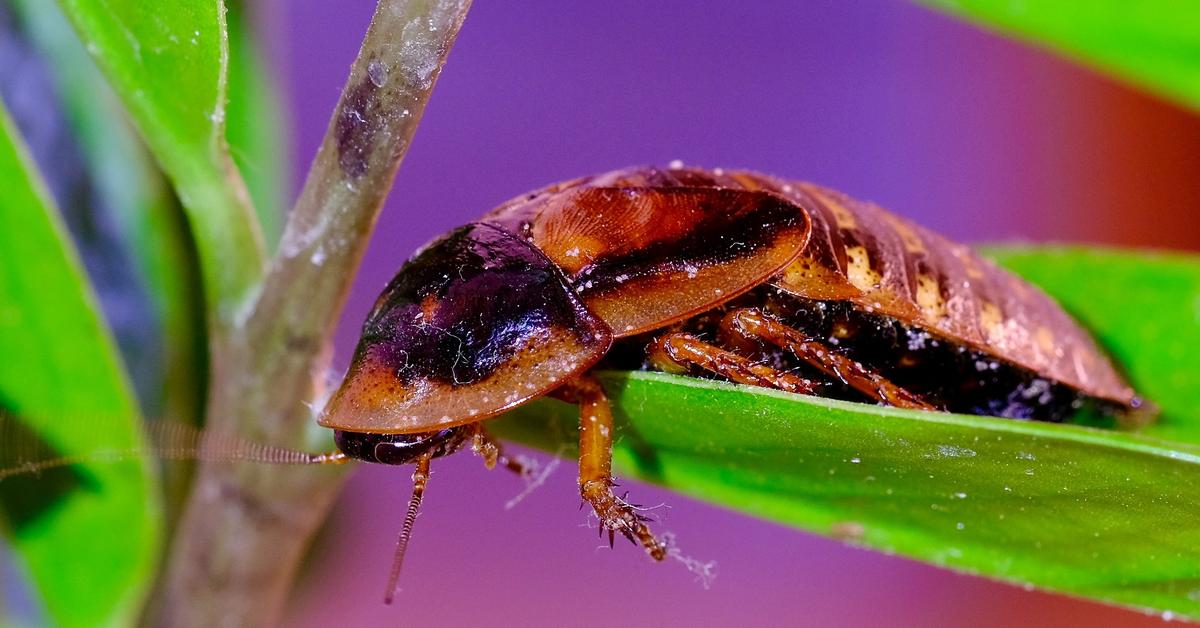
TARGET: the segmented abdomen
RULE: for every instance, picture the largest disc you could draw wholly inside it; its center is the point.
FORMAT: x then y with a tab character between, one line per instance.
886	264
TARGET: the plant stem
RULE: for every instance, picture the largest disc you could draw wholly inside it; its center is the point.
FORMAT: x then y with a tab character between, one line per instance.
246	526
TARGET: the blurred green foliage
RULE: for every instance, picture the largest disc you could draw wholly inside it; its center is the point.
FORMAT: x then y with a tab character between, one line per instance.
1153	44
61	362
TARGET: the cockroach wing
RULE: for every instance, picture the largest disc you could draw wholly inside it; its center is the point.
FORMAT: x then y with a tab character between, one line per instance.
642	256
478	322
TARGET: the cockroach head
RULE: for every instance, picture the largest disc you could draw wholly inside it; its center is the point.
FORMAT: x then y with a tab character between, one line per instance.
402	448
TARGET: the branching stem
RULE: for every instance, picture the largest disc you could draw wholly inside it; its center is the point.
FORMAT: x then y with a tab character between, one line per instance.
246	526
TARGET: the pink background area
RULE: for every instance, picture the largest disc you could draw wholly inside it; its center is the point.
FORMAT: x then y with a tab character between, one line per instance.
975	136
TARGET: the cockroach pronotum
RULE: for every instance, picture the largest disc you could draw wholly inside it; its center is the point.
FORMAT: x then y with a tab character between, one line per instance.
722	274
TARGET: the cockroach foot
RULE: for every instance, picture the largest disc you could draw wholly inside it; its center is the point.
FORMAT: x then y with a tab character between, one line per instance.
617	515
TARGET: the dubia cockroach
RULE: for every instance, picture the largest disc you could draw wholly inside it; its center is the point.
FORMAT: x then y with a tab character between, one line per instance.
723	274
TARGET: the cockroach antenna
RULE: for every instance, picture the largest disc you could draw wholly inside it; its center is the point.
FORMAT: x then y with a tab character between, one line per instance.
23	450
420	479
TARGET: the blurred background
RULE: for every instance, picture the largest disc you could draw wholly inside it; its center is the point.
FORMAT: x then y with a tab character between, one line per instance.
976	136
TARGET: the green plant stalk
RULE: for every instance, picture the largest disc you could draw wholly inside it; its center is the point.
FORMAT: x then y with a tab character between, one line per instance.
231	250
245	526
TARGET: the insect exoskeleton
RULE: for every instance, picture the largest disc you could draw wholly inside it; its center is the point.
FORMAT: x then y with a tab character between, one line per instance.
725	274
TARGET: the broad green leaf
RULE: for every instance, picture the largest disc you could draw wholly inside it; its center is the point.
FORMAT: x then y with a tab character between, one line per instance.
255	119
150	224
1143	307
1087	511
145	210
59	361
168	66
1153	44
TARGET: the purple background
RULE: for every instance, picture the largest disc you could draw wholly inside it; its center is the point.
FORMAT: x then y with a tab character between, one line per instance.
975	136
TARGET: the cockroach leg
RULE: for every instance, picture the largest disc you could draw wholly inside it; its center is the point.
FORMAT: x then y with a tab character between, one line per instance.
485	446
492	452
595	466
752	324
678	349
532	473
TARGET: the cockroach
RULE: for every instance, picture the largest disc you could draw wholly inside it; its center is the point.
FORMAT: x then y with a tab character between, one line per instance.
730	275
725	274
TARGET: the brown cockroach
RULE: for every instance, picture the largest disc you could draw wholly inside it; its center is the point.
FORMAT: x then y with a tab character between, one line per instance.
723	274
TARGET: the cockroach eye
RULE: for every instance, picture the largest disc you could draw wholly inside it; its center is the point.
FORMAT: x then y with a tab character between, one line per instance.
400	449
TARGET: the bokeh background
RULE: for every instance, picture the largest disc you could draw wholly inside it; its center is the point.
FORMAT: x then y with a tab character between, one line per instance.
976	136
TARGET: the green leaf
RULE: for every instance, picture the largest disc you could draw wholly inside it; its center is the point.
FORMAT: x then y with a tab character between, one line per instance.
146	212
1143	307
168	65
255	120
1153	44
60	362
1092	512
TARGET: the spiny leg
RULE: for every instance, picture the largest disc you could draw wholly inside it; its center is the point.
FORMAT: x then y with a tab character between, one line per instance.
595	466
492	452
678	349
752	324
532	473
